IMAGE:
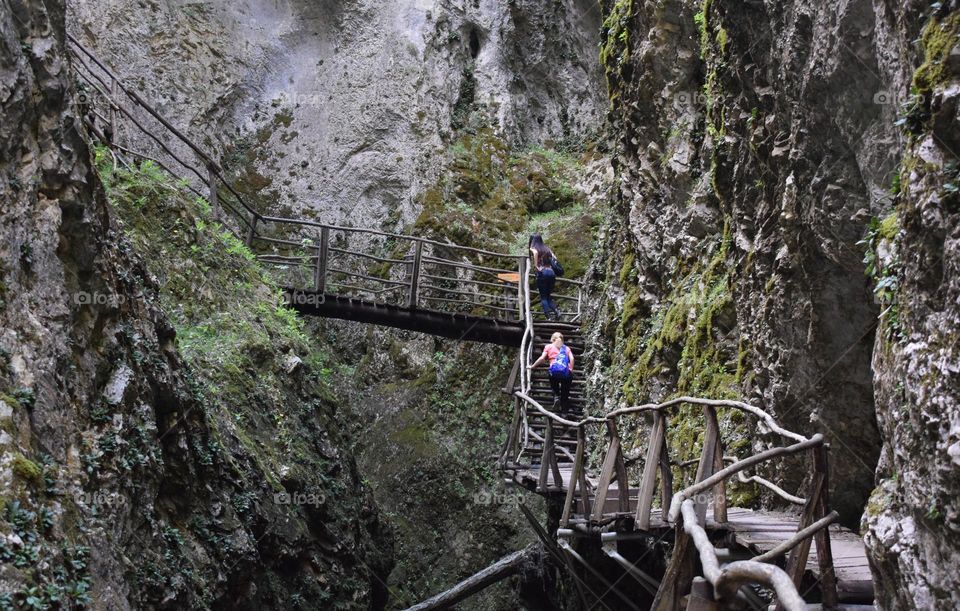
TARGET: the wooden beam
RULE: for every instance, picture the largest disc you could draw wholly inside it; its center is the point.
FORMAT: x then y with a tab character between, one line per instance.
606	475
574	479
720	490
501	569
323	256
648	481
678	577
828	577
666	474
415	276
707	457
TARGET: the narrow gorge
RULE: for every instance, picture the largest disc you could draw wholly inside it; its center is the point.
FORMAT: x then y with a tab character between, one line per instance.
268	311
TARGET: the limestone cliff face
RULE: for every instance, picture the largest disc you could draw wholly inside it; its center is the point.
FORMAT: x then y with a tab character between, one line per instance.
752	153
754	143
344	110
124	485
913	517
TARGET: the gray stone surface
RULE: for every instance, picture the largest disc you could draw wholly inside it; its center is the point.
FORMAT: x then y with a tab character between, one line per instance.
348	107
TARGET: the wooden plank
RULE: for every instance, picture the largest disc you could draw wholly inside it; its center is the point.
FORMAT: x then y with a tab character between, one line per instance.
606	475
648	481
623	480
705	468
513	435
828	579
320	274
574	477
415	276
678	577
666	474
720	490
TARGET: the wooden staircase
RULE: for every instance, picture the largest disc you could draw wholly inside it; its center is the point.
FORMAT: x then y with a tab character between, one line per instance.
564	438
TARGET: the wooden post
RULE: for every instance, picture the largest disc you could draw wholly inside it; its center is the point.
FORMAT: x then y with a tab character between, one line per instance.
253	231
320	273
701	596
707	457
828	578
797	560
623	480
607	472
521	277
415	275
648	481
214	195
113	112
546	457
510	452
720	490
574	478
678	578
666	474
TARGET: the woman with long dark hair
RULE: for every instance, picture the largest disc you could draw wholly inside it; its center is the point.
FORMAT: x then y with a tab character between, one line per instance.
546	276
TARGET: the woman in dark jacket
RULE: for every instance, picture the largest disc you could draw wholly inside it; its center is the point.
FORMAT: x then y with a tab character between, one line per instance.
546	277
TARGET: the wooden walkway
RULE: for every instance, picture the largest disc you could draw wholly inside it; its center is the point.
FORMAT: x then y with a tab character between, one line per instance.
755	532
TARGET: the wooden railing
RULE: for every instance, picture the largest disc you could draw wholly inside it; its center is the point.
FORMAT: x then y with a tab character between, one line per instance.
687	509
403	271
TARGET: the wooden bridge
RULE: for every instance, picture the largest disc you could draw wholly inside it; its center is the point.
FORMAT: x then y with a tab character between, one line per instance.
722	556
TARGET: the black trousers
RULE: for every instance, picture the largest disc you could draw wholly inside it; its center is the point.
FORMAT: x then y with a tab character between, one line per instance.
560	384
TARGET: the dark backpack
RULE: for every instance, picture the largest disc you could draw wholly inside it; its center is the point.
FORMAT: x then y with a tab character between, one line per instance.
555	264
561	365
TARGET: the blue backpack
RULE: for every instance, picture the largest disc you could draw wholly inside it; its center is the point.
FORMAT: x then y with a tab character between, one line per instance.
561	365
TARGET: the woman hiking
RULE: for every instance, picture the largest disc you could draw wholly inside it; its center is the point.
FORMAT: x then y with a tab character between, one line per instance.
561	370
543	261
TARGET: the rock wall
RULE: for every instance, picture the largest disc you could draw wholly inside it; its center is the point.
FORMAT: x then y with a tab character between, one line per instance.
756	145
752	152
344	110
913	517
126	481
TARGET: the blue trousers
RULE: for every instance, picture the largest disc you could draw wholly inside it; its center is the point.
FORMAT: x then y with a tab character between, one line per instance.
545	281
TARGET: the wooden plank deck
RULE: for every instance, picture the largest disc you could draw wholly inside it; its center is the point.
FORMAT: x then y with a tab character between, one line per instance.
757	532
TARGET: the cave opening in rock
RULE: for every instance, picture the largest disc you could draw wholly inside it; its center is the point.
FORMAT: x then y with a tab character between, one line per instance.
474	43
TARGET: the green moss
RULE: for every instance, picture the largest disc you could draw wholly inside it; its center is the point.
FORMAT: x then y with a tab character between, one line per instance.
283	118
615	50
626	269
721	39
938	38
686	320
889	227
702	20
13	403
493	197
27	470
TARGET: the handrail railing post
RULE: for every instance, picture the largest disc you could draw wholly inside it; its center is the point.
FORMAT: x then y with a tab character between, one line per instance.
828	578
574	479
113	111
651	464
708	458
520	276
320	273
415	275
720	491
214	198
253	231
